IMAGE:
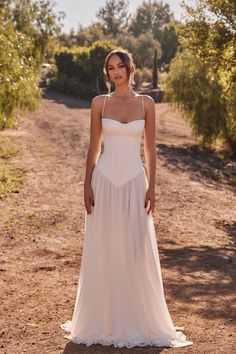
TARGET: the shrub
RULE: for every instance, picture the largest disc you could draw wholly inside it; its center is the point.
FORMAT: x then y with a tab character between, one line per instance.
19	74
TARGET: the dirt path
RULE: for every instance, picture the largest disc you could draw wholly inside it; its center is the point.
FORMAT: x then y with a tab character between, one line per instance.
42	230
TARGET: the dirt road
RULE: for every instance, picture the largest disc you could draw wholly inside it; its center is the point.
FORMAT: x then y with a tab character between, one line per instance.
42	230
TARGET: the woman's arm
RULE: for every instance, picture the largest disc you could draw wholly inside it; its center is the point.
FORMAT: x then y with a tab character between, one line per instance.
150	151
94	149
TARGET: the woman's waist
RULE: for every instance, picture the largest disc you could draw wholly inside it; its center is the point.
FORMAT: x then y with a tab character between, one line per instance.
125	161
117	173
122	168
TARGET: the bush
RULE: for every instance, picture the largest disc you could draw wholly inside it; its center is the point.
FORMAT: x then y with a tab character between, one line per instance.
80	70
199	97
142	75
19	74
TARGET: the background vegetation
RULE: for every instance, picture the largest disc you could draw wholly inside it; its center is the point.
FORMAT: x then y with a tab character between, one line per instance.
193	60
26	29
202	78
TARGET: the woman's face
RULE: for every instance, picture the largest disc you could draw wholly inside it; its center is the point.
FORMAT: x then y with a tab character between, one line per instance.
117	70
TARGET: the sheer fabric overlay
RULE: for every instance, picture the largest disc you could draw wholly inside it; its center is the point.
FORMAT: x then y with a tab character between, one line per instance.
120	298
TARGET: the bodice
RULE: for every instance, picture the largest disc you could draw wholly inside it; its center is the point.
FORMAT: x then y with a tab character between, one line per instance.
121	159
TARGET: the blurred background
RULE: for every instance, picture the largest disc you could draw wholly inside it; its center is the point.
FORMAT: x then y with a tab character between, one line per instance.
184	52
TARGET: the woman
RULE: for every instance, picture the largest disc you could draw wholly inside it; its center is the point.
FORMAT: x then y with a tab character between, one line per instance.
120	299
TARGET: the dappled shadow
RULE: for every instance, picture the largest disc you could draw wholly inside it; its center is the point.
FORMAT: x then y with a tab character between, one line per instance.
229	228
202	163
211	278
210	270
67	100
72	348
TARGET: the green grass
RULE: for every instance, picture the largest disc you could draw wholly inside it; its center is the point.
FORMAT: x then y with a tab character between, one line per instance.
11	177
6	150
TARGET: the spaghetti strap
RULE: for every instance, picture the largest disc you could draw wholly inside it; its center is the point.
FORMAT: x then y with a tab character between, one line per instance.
104	103
143	108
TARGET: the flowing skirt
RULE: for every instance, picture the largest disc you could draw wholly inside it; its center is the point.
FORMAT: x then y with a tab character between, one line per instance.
120	298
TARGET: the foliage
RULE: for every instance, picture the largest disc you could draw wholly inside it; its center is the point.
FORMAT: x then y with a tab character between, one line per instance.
169	42
150	17
114	16
98	53
27	28
154	73
145	49
156	18
80	70
142	48
36	19
209	33
142	75
188	86
11	177
86	36
18	73
151	27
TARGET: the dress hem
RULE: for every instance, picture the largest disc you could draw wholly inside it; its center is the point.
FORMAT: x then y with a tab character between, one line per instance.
179	341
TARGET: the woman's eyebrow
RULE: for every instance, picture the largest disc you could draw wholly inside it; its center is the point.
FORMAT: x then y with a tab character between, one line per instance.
120	63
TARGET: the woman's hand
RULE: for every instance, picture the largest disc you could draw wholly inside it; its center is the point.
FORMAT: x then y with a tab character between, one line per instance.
150	200
88	199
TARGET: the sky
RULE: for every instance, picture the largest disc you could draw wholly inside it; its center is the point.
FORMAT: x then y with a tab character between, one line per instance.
84	12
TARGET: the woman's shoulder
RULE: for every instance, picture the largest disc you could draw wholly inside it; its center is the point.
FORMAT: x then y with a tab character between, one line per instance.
100	97
99	100
148	101
147	98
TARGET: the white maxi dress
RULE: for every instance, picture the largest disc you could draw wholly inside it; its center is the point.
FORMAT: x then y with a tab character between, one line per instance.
120	298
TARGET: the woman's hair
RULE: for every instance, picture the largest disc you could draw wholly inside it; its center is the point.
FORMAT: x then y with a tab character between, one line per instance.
126	59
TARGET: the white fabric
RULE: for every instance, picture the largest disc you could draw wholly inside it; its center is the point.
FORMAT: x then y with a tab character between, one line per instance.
120	299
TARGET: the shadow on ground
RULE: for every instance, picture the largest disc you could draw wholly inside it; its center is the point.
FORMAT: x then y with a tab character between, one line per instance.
72	348
211	273
202	163
67	100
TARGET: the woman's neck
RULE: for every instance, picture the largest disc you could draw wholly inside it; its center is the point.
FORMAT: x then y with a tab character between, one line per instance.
123	92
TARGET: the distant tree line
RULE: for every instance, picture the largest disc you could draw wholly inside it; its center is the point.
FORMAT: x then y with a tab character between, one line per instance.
198	55
151	27
149	34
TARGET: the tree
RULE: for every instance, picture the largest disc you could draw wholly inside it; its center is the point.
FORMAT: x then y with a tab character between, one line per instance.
36	19
197	96
209	34
126	41
156	18
150	17
155	74
86	36
145	48
80	70
98	53
114	16
18	73
169	42
142	48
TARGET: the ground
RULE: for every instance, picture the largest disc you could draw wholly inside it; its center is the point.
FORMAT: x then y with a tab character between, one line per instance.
42	231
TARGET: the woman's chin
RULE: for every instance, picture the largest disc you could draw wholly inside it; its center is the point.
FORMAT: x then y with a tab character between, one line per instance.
120	82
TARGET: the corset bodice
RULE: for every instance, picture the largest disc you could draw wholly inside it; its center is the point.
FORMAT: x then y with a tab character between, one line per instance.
121	159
